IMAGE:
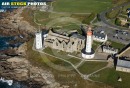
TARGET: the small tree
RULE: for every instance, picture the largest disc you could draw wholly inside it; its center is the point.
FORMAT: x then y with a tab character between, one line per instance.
118	22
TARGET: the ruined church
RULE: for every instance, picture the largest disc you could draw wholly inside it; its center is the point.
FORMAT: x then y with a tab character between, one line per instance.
73	43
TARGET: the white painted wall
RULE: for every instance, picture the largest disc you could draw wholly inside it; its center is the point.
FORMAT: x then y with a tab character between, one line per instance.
38	37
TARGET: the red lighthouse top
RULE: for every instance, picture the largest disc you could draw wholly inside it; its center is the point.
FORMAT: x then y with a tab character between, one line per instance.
89	32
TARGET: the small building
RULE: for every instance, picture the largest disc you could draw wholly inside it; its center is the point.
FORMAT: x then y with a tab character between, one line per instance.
45	34
128	15
109	49
128	10
123	65
100	36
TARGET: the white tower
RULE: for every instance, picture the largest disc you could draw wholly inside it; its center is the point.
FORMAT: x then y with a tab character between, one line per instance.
89	41
88	52
38	41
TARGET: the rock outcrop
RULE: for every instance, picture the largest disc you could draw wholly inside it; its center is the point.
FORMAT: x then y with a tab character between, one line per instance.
19	68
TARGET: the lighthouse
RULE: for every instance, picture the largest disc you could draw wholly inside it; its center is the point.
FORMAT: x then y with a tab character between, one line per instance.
38	40
88	52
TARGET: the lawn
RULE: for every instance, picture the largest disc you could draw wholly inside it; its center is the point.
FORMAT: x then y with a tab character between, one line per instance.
89	66
110	77
113	14
57	15
117	45
95	45
81	6
42	17
67	27
27	15
62	55
70	78
80	17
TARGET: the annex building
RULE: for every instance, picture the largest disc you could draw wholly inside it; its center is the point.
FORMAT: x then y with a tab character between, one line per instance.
123	65
123	62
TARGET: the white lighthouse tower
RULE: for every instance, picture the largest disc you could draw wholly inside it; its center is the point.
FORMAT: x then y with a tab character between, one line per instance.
38	40
88	52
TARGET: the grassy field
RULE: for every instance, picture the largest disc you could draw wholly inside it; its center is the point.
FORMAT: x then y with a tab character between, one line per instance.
113	14
62	54
66	27
117	45
27	15
42	17
81	6
96	44
110	77
89	67
70	78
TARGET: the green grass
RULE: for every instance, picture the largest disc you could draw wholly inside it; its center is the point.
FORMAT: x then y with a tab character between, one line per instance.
123	16
113	14
62	55
67	27
117	45
42	17
88	19
110	77
80	17
83	6
28	16
57	15
69	78
89	67
95	45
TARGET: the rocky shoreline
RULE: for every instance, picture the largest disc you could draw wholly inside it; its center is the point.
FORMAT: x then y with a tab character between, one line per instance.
20	69
13	62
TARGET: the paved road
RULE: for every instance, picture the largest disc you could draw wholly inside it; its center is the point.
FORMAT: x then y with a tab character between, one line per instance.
109	26
104	20
121	38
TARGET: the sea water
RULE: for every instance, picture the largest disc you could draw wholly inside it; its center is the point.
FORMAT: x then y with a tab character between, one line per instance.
4	42
15	85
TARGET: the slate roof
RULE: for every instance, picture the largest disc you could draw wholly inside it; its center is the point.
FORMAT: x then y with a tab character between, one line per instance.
128	9
45	31
129	14
99	35
123	63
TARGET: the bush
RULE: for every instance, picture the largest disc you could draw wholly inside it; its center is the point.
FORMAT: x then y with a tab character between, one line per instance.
118	22
98	17
88	19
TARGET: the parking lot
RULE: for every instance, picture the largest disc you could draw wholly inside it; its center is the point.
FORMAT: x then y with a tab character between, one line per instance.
119	36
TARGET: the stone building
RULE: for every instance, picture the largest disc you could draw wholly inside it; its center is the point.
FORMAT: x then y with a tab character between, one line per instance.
73	43
100	36
123	65
109	49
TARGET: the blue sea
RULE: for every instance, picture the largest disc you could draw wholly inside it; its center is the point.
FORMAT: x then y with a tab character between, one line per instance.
15	85
4	44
